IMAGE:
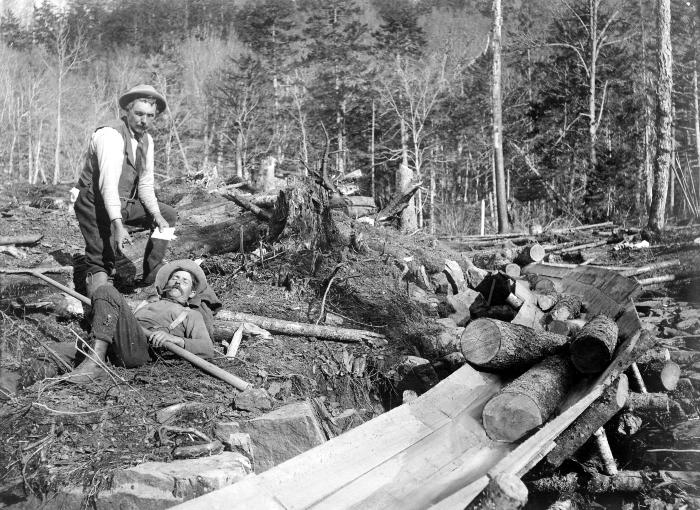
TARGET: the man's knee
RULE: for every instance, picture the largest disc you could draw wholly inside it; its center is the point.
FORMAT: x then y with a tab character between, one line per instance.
168	212
95	281
106	293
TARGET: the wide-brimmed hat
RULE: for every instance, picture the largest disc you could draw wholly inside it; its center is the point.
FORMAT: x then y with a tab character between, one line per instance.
142	91
165	272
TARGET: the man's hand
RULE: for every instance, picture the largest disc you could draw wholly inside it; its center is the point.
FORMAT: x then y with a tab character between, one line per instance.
160	222
120	235
159	338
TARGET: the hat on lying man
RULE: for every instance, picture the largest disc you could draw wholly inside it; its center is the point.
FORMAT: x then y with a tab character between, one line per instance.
140	91
164	273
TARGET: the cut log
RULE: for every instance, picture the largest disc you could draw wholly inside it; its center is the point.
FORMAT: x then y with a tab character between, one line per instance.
564	503
544	285
514	301
655	404
226	323
592	419
624	482
25	239
660	354
568	328
504	492
528	401
353	206
660	375
530	254
546	300
512	270
568	306
497	345
593	347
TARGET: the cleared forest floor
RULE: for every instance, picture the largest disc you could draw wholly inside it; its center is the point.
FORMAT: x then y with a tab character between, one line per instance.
55	434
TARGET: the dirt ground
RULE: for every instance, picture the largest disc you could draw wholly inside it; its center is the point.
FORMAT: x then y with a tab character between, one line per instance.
55	434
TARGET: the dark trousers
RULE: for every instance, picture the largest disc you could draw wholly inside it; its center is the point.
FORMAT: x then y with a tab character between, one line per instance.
100	253
114	322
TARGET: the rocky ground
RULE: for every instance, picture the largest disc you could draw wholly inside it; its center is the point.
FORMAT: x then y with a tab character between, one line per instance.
55	435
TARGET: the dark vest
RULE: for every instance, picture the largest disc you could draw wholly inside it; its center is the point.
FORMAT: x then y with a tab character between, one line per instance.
129	179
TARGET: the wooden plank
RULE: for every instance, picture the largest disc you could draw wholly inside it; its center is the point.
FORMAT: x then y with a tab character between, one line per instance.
456	454
305	480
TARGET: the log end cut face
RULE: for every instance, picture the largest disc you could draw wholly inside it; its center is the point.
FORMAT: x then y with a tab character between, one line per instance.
481	341
589	357
509	416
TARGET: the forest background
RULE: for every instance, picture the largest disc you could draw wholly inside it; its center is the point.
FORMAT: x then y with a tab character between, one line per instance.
388	83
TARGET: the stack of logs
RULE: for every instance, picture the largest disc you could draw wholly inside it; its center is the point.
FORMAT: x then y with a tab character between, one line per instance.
523	329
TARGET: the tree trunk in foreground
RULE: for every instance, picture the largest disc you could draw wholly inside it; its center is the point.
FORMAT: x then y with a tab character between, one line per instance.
498	345
498	118
592	348
528	401
662	161
604	408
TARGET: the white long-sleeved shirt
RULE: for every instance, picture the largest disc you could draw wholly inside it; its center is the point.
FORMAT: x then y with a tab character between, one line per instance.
108	145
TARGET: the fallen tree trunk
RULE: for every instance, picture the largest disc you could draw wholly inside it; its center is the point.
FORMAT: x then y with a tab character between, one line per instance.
621	483
655	403
593	347
498	345
25	239
226	323
597	415
660	375
530	254
528	401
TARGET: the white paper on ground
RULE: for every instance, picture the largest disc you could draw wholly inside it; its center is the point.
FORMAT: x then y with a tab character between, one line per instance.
168	234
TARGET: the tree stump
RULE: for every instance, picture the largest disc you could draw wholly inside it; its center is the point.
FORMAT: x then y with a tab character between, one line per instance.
593	347
496	345
529	400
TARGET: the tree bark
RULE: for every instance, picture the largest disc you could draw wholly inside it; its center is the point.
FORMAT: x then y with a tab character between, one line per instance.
568	307
226	323
498	345
593	347
621	483
529	400
597	415
497	105
660	375
664	105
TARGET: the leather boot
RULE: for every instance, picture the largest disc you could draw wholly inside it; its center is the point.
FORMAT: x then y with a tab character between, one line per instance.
94	281
153	259
90	370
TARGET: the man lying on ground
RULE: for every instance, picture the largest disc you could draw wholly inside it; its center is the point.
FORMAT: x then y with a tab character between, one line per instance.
124	336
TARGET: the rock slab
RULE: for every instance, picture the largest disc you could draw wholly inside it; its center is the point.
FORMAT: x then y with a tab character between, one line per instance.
283	433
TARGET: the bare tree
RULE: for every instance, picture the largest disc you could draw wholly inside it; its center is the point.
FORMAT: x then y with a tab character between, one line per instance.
497	106
664	117
67	50
412	94
588	54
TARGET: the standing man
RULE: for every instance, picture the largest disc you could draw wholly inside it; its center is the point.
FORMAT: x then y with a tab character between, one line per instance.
116	189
